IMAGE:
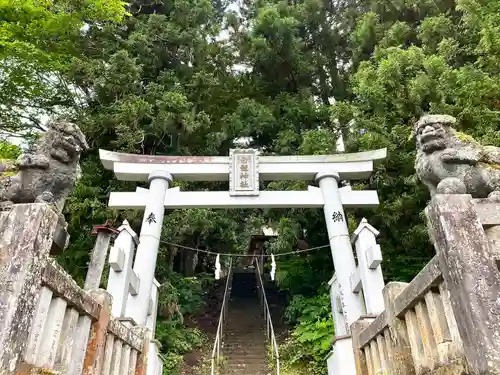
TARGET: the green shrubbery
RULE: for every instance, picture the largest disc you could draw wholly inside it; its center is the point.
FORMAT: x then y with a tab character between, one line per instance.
310	340
180	298
177	340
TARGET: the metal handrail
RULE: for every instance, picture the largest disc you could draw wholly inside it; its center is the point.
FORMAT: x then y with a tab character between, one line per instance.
271	336
216	352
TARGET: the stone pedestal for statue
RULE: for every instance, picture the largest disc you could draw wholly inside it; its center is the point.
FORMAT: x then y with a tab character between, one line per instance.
470	271
25	242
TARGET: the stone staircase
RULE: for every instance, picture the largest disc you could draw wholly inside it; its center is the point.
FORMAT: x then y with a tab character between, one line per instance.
245	346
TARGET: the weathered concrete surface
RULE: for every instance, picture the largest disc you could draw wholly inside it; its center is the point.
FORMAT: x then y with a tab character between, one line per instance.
61	283
359	356
23	368
98	257
472	277
493	234
455	367
60	240
142	358
63	356
94	357
399	356
376	326
25	241
131	336
429	277
488	212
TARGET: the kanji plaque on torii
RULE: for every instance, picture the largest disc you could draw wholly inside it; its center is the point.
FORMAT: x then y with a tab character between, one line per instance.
243	172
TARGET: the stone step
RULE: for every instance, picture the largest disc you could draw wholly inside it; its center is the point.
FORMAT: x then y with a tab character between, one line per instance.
245	344
245	356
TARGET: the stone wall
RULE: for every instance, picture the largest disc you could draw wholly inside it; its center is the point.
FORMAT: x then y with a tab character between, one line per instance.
48	324
447	319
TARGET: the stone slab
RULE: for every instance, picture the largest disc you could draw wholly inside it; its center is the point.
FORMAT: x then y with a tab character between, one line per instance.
125	334
63	285
429	277
375	328
488	212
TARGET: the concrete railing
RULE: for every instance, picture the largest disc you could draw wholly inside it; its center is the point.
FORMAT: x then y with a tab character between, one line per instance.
421	318
73	331
445	321
48	324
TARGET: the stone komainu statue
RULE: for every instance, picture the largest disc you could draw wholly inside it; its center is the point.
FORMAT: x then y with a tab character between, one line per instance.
47	172
449	162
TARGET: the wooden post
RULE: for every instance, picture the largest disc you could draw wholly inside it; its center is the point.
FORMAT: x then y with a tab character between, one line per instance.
466	259
399	355
98	258
94	357
25	241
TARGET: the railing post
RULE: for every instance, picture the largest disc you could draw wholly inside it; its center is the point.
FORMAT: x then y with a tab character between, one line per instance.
98	258
94	355
268	328
399	356
370	272
25	241
270	334
272	349
220	328
359	356
142	359
122	280
468	264
218	350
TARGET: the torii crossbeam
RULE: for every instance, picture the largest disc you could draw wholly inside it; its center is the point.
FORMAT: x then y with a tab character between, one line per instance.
310	198
131	167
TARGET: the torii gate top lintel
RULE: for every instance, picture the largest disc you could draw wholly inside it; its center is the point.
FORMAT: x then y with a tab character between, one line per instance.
134	167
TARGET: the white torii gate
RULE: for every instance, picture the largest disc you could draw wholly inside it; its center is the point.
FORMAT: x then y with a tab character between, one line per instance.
244	168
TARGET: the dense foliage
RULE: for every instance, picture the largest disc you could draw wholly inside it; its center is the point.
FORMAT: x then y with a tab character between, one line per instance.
38	42
189	77
311	340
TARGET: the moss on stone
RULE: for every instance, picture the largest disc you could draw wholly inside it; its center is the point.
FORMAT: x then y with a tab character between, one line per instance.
466	138
8	167
490	165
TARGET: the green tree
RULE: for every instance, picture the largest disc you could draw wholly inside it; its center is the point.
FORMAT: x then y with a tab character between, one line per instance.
438	59
38	41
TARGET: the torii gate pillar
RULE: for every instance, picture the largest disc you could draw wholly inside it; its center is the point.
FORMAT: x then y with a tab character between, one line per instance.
340	245
342	361
149	242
